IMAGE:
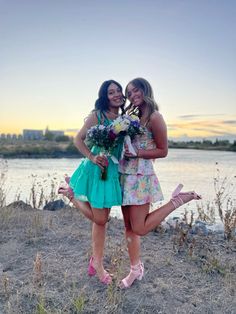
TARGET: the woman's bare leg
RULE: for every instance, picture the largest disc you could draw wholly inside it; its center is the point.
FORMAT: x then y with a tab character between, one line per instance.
132	239
144	222
84	207
133	245
98	239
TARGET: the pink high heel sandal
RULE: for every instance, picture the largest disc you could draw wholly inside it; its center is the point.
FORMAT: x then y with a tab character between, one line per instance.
106	279
91	270
136	272
66	191
67	179
180	198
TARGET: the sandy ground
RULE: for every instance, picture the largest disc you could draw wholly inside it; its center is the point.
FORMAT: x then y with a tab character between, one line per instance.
44	257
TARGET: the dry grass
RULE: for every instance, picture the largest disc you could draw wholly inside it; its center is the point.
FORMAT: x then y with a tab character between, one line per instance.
222	206
3	177
45	271
226	205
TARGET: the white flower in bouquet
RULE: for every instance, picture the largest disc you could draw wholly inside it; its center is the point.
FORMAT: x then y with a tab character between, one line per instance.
134	117
120	124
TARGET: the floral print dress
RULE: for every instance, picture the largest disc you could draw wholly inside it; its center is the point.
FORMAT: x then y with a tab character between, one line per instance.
139	182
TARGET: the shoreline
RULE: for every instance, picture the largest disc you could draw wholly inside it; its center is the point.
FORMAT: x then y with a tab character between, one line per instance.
61	155
58	150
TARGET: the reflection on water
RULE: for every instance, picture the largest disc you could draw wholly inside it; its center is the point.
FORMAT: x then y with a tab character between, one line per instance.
194	168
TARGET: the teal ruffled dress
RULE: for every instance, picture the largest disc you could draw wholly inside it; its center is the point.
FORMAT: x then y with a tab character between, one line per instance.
86	181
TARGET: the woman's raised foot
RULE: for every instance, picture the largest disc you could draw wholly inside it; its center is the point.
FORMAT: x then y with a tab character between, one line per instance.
67	179
67	192
181	198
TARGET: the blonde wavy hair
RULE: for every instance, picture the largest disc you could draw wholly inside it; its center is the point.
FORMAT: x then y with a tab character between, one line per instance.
148	97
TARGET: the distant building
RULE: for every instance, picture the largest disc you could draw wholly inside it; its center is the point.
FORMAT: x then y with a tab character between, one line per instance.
57	133
32	134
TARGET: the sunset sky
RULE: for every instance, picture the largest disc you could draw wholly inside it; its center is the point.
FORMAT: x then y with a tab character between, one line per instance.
54	55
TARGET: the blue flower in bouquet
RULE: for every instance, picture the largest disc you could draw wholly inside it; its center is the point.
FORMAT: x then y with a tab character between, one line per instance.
107	137
135	127
100	135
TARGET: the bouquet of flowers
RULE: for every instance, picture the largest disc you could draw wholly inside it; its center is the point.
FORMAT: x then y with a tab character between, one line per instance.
107	137
134	129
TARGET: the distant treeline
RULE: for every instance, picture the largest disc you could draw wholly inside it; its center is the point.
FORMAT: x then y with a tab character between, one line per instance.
205	144
40	149
66	148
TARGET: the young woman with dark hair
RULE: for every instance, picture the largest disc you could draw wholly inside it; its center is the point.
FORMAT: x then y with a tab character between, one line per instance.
87	191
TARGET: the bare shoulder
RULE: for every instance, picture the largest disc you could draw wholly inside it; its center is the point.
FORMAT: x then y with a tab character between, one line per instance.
91	119
156	118
156	115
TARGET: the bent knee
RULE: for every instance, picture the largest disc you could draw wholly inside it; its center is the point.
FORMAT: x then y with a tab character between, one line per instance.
127	226
139	231
101	221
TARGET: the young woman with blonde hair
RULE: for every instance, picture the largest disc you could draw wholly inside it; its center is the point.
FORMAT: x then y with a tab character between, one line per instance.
139	183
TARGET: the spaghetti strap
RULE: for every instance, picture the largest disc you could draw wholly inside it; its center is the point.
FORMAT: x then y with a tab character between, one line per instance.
105	117
146	123
98	113
102	117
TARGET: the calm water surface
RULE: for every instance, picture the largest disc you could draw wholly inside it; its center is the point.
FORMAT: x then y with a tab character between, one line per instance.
194	168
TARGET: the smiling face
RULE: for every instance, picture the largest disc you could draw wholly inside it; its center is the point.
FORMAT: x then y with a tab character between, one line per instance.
114	95
135	95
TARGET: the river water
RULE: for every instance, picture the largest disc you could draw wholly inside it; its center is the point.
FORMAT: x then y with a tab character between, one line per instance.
196	169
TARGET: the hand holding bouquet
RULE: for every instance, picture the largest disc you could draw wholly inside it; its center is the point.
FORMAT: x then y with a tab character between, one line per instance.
108	137
124	128
134	129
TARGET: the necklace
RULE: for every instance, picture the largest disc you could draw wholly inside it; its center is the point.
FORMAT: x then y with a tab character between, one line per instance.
112	113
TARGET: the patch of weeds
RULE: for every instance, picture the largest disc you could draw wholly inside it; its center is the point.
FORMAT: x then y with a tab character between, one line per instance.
116	253
113	295
212	265
6	284
3	178
159	229
37	271
6	215
40	307
43	190
206	214
36	227
36	193
168	262
183	239
225	204
79	303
